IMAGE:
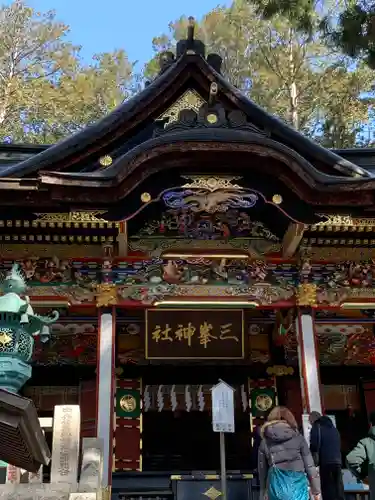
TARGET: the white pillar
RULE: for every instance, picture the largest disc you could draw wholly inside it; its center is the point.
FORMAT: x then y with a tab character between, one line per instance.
105	384
308	363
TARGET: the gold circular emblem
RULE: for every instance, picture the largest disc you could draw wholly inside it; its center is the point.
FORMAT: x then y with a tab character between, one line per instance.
5	336
211	118
277	199
105	161
212	182
263	402
145	197
128	403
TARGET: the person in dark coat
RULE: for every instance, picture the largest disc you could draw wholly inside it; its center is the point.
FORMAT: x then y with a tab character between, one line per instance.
325	447
285	449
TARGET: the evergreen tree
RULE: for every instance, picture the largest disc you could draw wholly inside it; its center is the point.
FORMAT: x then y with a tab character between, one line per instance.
350	26
46	92
288	72
300	13
355	31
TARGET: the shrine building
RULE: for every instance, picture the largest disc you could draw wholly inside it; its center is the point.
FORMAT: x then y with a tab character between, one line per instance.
187	237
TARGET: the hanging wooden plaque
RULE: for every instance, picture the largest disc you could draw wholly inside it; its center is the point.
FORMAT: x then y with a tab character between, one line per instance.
194	334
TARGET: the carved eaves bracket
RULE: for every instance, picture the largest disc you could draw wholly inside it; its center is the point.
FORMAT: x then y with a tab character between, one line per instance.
292	238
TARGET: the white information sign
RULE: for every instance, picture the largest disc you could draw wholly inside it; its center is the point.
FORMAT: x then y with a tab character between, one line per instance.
222	407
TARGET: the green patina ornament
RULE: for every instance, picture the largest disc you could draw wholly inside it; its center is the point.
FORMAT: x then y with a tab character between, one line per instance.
18	327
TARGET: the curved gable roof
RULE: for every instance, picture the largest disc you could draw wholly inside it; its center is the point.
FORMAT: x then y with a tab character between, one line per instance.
152	101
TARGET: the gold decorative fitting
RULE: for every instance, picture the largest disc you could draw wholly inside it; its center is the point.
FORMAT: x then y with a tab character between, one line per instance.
128	403
5	337
71	217
145	197
340	241
340	222
214	88
280	370
24	251
105	493
307	295
212	493
189	100
277	199
263	402
105	161
337	254
211	118
211	183
106	295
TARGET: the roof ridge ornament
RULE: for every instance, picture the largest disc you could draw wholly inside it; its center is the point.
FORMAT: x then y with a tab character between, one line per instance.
190	32
166	59
190	46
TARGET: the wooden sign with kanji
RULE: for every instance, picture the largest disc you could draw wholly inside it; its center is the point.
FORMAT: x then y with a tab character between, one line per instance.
194	334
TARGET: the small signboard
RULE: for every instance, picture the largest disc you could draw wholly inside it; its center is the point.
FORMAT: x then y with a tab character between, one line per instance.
222	407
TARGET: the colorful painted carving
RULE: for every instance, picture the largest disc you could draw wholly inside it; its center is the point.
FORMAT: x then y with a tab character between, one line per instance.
186	224
210	195
71	344
156	280
209	201
149	280
339	344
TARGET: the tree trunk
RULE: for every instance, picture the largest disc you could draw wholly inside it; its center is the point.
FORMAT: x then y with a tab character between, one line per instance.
7	82
4	102
293	100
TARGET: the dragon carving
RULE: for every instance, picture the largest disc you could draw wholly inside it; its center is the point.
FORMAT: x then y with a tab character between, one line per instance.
210	202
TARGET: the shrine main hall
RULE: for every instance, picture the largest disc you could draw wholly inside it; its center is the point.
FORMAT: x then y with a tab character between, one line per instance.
189	236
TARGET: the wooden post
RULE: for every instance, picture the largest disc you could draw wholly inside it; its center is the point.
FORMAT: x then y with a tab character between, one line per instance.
122	240
308	362
292	239
105	388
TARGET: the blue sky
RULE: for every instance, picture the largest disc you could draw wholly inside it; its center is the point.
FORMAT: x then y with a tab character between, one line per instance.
103	25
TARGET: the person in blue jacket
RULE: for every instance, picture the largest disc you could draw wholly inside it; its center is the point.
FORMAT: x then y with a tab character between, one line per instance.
325	447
